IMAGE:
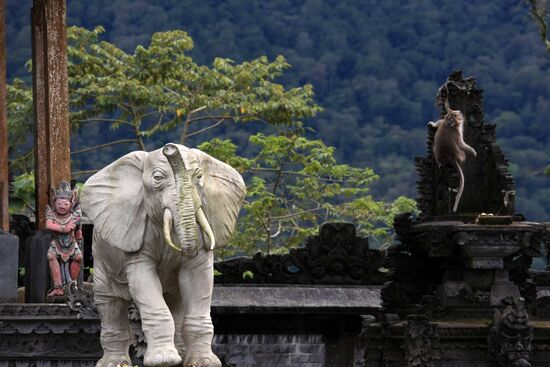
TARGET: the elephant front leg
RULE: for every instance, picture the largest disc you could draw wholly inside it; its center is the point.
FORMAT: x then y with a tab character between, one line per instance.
156	320
176	308
196	279
115	333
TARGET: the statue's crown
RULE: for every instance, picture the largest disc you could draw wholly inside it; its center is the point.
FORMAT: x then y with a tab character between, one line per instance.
63	191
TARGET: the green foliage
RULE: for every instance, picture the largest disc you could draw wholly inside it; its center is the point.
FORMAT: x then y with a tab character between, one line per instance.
538	9
293	185
159	88
22	194
375	67
20	124
248	275
539	12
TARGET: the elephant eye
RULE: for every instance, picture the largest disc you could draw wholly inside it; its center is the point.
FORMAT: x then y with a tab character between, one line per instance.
157	176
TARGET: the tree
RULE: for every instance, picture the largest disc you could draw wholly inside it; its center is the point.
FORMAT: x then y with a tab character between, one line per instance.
19	108
294	183
539	12
159	88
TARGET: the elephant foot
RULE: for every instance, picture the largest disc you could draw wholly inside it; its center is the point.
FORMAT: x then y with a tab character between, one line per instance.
114	361
162	357
201	359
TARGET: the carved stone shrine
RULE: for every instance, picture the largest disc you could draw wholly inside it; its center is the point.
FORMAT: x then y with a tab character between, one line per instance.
461	270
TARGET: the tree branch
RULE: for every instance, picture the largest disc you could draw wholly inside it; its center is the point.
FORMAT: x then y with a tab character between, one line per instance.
123	122
538	14
295	174
292	215
121	141
225	117
206	128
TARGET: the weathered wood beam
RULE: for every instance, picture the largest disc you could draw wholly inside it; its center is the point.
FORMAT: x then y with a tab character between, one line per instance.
51	99
4	205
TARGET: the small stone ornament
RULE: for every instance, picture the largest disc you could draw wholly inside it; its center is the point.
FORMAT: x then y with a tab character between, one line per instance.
64	254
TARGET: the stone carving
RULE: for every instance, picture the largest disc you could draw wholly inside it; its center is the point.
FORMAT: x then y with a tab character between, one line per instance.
413	274
448	255
40	331
541	307
490	186
336	256
541	278
156	217
421	342
81	301
510	335
463	262
64	255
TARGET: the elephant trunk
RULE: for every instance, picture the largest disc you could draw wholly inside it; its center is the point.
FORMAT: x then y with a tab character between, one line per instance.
185	228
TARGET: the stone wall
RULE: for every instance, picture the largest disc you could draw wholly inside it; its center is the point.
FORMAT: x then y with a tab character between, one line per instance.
267	350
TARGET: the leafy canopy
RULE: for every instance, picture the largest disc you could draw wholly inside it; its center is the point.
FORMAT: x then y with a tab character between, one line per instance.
159	88
294	183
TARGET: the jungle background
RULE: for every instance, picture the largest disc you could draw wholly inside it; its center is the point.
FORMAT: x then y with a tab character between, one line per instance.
375	67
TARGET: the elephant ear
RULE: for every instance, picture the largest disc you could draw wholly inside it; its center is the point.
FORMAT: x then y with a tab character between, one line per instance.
113	200
224	192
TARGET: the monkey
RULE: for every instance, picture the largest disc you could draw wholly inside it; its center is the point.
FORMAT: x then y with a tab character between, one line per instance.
449	147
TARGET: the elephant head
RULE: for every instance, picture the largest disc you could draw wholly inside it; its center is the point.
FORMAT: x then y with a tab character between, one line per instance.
194	197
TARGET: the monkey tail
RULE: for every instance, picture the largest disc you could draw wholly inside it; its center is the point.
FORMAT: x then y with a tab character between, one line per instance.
461	186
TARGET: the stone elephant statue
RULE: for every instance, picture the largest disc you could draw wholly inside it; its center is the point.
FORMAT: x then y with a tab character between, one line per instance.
157	216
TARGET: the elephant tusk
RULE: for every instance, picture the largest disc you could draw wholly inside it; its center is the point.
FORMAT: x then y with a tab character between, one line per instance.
167	229
203	222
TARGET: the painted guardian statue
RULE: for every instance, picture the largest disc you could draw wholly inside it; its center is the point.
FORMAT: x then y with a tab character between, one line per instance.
157	217
64	254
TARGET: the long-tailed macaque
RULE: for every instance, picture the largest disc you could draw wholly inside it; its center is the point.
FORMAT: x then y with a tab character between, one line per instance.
449	147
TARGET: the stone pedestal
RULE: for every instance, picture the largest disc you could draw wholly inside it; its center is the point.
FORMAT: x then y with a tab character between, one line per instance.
9	249
462	267
459	267
481	275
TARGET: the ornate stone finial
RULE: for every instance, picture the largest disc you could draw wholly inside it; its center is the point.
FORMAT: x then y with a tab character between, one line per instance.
510	335
489	186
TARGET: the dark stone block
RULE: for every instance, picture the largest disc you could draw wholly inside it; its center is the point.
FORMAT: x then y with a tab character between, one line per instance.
22	227
36	264
299	358
9	249
311	348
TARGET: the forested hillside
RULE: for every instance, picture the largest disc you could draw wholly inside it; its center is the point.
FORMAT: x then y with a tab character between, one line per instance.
375	66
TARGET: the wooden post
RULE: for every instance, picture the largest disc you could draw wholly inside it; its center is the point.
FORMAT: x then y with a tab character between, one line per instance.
51	100
4	215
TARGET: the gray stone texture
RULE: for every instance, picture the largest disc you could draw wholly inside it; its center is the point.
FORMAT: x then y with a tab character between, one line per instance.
309	297
9	251
36	265
270	350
